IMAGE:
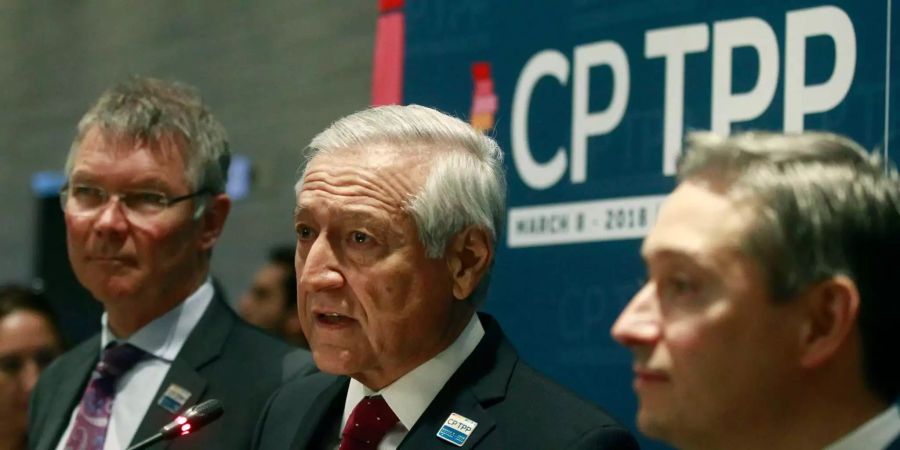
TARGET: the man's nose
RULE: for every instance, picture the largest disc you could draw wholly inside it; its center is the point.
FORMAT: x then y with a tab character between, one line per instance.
639	322
111	217
319	269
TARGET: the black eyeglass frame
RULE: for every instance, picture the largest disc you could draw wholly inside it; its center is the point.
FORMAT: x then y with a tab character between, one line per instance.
64	194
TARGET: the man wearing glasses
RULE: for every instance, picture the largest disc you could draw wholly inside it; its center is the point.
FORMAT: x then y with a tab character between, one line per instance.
144	205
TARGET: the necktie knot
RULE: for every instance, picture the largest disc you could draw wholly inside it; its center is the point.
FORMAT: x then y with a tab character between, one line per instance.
368	423
118	359
92	419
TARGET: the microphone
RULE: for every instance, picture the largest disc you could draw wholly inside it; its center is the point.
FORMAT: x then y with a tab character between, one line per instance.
192	420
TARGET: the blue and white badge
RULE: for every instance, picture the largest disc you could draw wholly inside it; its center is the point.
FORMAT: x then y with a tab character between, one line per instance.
457	429
174	398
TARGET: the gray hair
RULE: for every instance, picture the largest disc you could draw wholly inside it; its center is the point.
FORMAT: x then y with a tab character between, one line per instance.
151	109
823	207
465	185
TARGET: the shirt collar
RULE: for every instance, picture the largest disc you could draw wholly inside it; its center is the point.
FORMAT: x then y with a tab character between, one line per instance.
878	432
411	394
165	335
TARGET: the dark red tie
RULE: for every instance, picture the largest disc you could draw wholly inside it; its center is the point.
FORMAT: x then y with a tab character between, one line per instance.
368	423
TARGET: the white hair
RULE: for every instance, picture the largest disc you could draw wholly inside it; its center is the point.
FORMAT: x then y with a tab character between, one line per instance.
465	185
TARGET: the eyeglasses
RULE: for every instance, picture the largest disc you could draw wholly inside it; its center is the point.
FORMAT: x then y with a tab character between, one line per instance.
85	200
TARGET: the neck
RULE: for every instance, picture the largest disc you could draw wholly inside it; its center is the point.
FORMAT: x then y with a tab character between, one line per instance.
378	380
127	317
809	424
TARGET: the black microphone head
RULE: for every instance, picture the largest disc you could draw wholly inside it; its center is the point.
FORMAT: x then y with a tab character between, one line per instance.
195	417
204	413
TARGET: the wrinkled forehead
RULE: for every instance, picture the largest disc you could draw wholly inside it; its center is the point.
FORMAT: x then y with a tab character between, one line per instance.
407	166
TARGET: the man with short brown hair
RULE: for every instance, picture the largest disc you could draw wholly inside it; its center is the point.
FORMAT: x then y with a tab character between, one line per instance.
768	318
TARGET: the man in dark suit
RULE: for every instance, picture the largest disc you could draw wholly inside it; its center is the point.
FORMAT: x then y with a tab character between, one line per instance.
769	316
144	204
398	213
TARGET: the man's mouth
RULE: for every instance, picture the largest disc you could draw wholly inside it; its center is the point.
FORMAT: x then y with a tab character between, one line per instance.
111	258
643	376
332	319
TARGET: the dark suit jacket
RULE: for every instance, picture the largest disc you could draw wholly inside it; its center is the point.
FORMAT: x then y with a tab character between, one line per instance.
223	358
894	445
514	406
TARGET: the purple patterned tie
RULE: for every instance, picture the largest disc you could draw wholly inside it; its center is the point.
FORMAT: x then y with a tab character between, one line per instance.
89	429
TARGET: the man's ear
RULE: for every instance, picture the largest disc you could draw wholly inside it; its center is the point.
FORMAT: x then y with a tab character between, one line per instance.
469	257
212	220
831	313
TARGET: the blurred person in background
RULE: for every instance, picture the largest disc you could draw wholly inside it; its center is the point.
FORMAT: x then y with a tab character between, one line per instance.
29	340
769	317
144	204
271	302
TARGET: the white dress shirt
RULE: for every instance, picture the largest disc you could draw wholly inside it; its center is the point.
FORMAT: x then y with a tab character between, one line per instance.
411	394
162	339
875	434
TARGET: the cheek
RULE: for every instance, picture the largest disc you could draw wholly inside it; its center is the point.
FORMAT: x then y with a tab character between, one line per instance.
163	245
706	356
76	232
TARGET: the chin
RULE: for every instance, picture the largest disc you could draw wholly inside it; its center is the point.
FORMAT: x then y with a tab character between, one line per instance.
653	426
327	363
332	360
114	291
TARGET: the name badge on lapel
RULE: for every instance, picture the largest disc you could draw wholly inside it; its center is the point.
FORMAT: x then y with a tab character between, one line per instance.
457	429
174	398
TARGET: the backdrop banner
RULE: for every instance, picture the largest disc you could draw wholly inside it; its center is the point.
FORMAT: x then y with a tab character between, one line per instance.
590	101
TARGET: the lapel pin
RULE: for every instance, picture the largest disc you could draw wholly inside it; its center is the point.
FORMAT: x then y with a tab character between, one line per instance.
457	429
174	398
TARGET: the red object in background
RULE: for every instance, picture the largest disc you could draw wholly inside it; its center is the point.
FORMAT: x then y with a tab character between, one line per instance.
481	70
388	5
484	100
387	67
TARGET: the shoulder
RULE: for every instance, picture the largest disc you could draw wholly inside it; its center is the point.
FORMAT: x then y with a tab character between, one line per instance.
62	366
527	385
256	351
221	326
246	335
531	410
306	399
536	402
301	392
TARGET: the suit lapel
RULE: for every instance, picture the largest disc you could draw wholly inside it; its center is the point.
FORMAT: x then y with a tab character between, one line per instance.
203	345
183	375
424	432
894	445
482	378
70	388
319	412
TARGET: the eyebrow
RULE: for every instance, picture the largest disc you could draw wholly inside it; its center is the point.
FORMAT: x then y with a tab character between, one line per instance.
139	182
348	215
